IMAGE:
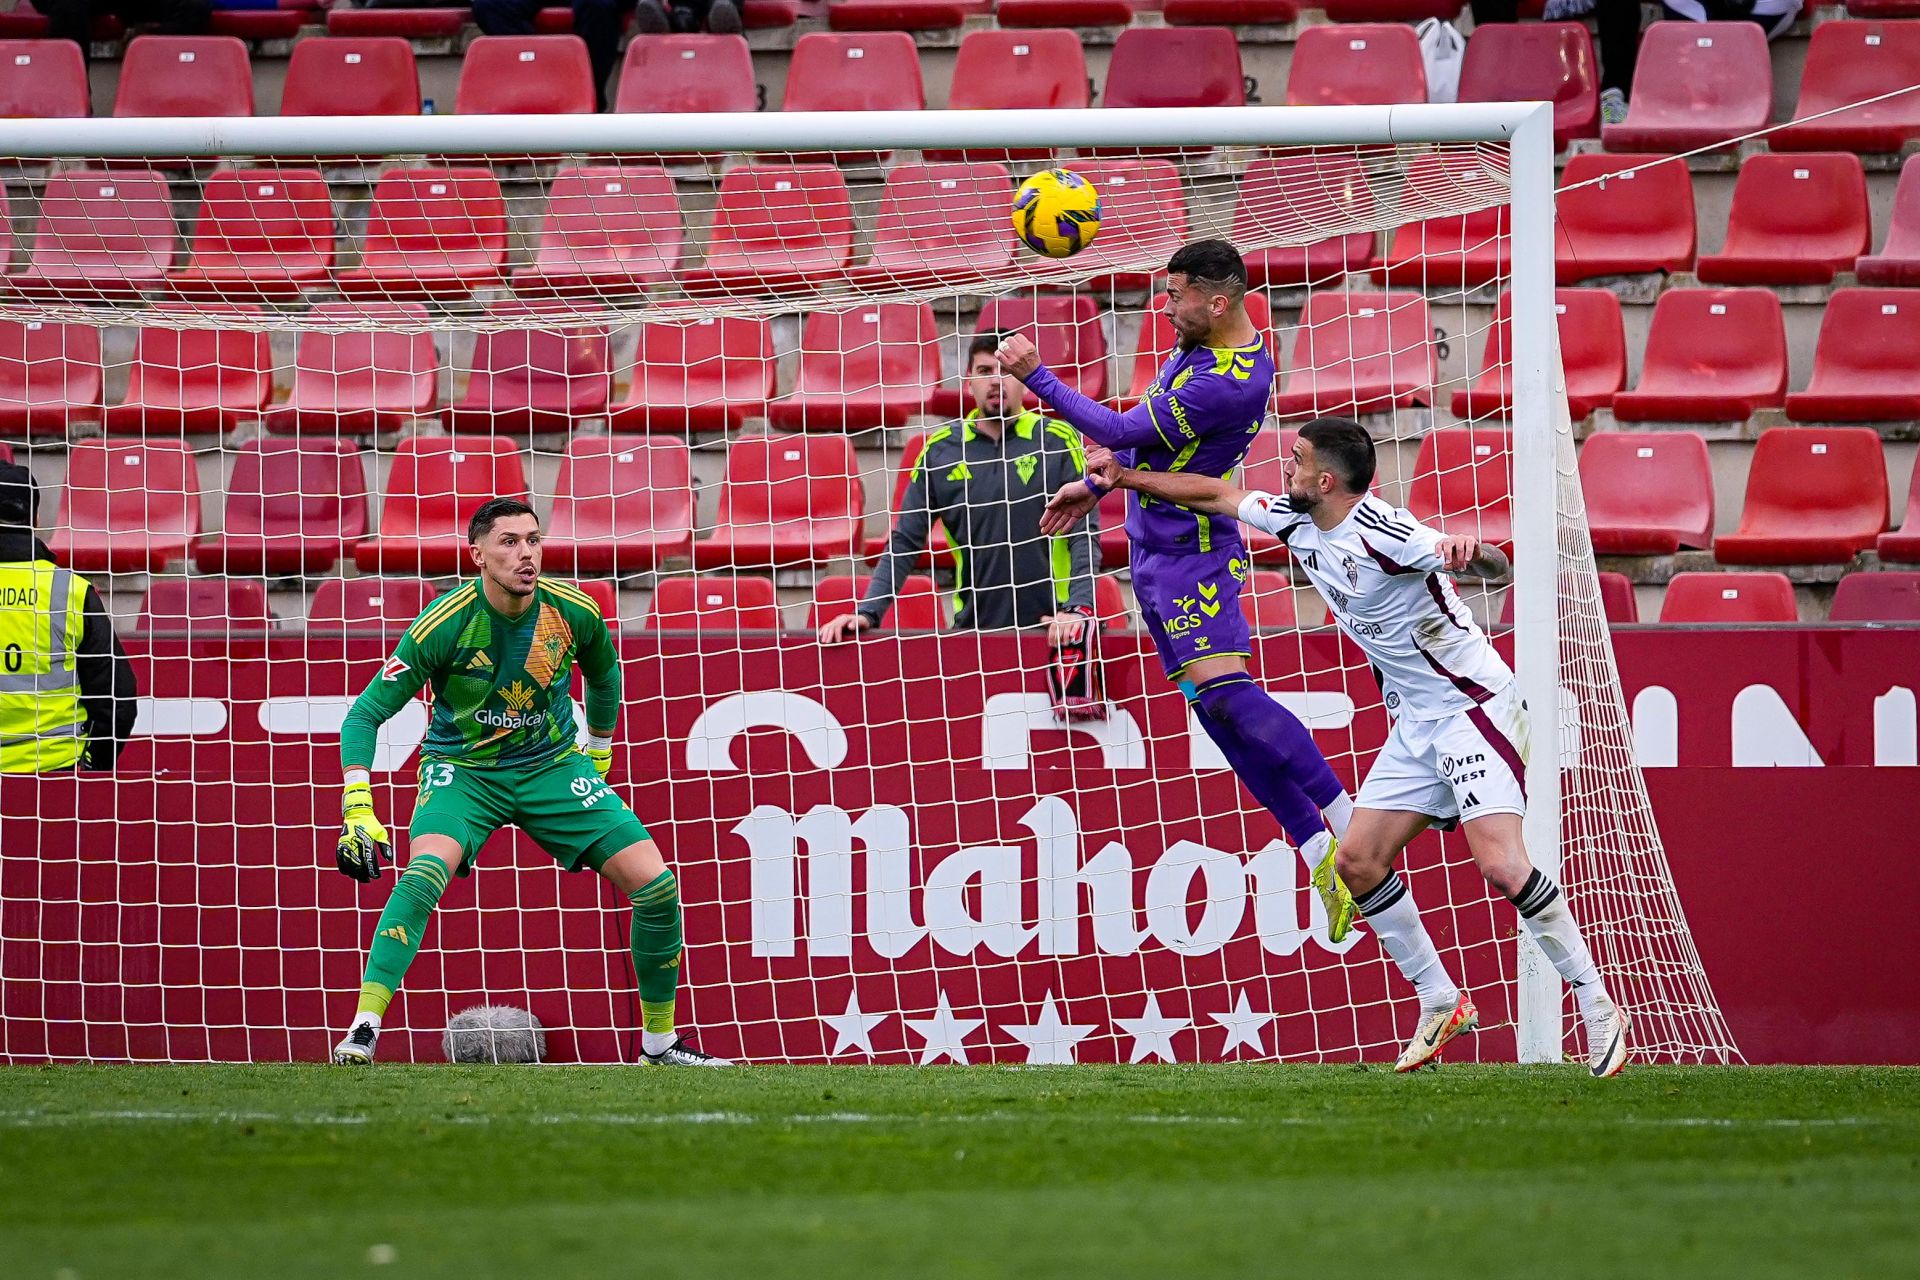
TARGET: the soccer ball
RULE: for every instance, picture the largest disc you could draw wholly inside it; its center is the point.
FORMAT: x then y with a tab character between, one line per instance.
1056	212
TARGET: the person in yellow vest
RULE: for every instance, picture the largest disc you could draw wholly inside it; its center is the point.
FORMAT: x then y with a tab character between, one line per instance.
67	691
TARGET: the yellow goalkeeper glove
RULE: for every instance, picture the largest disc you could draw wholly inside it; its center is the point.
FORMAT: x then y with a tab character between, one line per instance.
363	841
600	751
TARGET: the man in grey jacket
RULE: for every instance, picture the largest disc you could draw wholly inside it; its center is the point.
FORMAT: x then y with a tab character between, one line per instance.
987	479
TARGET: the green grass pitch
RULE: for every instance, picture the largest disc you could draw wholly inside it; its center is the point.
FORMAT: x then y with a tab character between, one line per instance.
115	1173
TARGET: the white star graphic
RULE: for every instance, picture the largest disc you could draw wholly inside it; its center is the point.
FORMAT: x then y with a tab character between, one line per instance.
943	1033
853	1029
1152	1032
1243	1025
1049	1040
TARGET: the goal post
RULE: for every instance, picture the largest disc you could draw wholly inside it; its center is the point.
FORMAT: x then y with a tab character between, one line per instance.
888	851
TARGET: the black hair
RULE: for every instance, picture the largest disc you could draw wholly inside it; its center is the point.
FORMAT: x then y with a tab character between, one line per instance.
987	340
19	497
1342	446
1211	262
495	509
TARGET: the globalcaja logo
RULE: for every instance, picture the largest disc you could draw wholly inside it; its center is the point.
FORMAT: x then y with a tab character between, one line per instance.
518	698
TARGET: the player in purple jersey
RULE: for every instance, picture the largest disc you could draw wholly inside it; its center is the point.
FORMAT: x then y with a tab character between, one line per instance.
1198	417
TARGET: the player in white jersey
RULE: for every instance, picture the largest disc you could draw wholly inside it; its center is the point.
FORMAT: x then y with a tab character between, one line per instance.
1457	752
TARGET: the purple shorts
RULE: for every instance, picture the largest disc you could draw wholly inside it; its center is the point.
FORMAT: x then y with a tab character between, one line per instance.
1191	604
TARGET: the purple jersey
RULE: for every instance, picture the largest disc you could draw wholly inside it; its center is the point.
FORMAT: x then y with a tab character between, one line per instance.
1199	416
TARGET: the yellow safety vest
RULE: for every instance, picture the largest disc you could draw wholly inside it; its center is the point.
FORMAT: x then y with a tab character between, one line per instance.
42	725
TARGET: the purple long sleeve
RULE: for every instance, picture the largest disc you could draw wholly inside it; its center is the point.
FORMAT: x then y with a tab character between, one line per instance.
1094	420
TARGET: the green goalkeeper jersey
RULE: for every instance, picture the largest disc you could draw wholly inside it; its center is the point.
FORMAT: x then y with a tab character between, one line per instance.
500	685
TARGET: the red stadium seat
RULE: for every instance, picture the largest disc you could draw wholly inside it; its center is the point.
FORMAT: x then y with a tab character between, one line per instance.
1360	353
1536	62
1593	355
371	605
785	500
204	379
776	227
1696	84
707	375
1462	483
1898	262
534	380
996	70
1455	249
356	380
1625	223
621	506
185	76
1065	329
939	551
941	223
1617	602
1796	219
1648	493
1110	603
917	607
1863	366
686	73
1063	13
1903	544
262	233
1392	10
1157	341
436	485
293	506
1848	63
1877	597
43	79
1358	65
50	375
1729	599
1267	601
262	24
609	229
130	506
6	452
101	235
903	15
600	590
1208	59
710	603
206	608
1143	221
1815	495
1296	194
1713	355
410	24
525	75
432	232
871	71
874	366
1228	13
352	76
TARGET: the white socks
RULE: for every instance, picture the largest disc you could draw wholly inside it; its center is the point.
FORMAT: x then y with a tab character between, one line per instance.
1389	910
1315	849
1339	814
1543	910
658	1041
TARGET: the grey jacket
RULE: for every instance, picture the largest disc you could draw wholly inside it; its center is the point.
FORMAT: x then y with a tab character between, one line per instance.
989	494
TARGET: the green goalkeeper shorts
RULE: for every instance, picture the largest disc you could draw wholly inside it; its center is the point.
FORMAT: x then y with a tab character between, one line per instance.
563	805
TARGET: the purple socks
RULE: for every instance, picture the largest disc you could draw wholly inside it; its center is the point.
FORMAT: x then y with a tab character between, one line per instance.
1271	751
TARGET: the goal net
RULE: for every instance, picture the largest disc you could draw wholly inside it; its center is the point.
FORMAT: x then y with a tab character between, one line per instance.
264	371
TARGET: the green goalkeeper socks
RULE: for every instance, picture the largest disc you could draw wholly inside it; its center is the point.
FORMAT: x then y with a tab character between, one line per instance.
656	949
396	940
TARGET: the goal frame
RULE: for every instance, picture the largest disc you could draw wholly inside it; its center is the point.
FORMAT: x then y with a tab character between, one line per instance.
1540	413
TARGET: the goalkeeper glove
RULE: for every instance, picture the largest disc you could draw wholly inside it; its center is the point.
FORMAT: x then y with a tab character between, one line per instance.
600	751
363	841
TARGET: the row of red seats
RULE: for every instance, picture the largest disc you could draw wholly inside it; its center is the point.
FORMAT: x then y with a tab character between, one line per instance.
1813	496
1697	84
237	608
1712	355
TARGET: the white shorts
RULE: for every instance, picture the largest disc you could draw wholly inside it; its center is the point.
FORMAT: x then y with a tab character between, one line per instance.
1469	765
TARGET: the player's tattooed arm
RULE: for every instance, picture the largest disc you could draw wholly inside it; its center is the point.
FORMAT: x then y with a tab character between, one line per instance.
1472	557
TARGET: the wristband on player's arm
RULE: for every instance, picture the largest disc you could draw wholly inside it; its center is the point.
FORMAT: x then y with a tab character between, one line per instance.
1098	491
599	750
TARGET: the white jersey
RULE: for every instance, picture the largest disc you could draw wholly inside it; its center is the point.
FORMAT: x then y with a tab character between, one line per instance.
1379	574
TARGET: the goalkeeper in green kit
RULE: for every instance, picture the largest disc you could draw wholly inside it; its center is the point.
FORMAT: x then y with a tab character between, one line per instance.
499	653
